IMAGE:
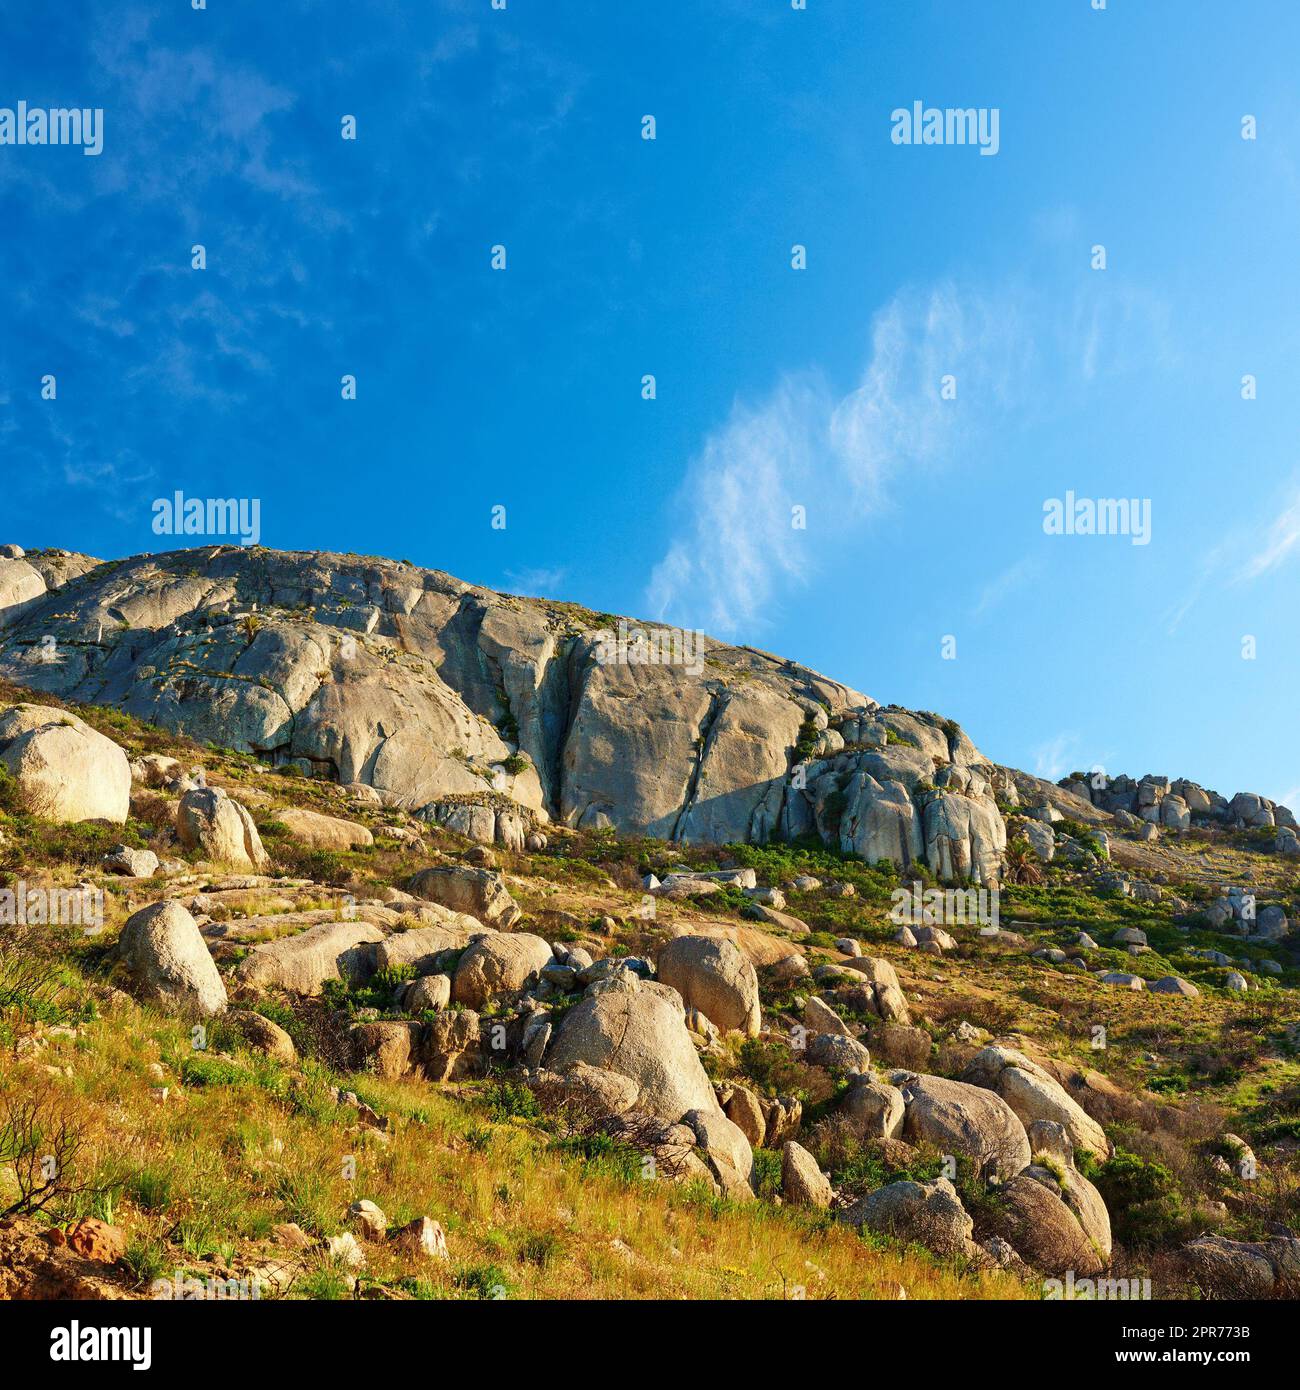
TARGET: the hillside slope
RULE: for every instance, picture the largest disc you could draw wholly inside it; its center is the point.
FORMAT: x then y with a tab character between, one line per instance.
311	1016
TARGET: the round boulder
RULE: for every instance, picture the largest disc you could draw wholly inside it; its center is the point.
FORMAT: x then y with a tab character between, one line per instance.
640	1035
168	960
958	1118
317	831
1031	1217
210	822
713	976
64	769
929	1213
501	963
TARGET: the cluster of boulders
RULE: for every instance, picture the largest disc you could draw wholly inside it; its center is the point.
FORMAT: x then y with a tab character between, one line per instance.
1176	804
490	821
625	1048
66	771
1037	826
928	938
1133	941
1018	1129
1236	909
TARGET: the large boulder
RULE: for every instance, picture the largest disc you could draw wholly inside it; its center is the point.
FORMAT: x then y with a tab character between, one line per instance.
1236	1269
1032	1218
929	1213
1271	924
385	1047
262	1035
318	831
1035	1095
453	1046
1175	984
803	1184
838	1053
744	1109
302	964
874	1108
1224	1268
481	893
64	769
421	947
713	976
887	1000
1054	1167
958	1118
167	959
501	963
211	822
132	863
641	1035
591	1090
725	1149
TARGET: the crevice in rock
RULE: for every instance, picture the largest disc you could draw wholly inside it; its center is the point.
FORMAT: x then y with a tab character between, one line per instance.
718	700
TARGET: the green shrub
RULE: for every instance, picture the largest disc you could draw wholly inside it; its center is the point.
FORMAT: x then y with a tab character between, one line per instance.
538	1248
482	1281
1142	1196
767	1173
604	1154
507	1100
771	1067
8	791
199	1070
805	744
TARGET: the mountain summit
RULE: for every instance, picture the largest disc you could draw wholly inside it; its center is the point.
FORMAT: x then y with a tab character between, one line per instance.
461	702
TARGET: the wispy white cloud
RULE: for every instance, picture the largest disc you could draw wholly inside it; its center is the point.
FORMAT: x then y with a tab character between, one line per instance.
834	455
532	583
1279	541
737	540
840	454
1264	546
1003	585
1052	759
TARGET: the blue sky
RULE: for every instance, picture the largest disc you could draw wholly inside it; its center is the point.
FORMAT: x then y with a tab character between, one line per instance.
775	387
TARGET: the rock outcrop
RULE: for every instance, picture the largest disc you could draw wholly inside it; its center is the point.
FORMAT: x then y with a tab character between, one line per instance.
1178	803
491	713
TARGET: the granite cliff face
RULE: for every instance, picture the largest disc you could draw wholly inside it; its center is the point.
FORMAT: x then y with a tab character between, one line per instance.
490	712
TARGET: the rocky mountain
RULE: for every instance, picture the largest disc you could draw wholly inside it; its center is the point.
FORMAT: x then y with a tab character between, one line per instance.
489	712
365	873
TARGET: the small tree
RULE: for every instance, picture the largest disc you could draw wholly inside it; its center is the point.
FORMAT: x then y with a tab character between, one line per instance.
41	1144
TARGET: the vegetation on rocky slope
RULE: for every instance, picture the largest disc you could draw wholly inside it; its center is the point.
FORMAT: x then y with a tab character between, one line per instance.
202	1157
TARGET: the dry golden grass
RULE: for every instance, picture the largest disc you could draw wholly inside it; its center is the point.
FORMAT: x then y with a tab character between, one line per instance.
200	1179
